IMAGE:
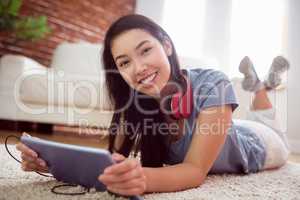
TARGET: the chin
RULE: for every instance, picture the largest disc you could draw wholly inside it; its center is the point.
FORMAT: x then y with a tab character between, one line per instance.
150	93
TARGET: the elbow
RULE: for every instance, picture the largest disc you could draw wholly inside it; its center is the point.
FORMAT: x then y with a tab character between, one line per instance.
199	177
199	181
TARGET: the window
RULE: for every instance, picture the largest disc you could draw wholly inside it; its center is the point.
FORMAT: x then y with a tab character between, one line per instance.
257	29
225	31
183	21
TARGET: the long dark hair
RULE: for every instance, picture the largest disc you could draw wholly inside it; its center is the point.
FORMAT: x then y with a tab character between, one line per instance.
153	147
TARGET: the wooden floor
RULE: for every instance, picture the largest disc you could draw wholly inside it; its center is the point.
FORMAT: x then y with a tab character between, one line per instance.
83	140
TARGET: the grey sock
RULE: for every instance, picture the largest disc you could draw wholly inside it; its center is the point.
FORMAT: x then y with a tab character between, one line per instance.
279	65
251	81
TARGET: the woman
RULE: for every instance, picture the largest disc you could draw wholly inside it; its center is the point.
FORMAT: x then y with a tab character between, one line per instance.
143	76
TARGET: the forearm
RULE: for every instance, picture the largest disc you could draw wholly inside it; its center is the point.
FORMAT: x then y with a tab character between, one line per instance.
173	178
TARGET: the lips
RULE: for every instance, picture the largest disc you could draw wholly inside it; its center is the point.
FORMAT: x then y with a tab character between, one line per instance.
148	78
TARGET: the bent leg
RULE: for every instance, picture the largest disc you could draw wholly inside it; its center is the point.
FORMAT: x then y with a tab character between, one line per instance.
266	124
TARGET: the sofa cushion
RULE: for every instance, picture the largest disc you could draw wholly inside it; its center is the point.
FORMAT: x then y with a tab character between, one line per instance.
78	58
57	89
13	67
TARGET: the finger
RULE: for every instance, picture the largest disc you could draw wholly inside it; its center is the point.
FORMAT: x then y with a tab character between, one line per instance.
132	174
118	157
37	161
27	157
133	183
43	169
41	163
29	166
32	166
108	179
23	148
116	178
122	167
127	192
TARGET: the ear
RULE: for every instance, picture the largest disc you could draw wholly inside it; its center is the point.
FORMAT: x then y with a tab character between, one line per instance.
168	46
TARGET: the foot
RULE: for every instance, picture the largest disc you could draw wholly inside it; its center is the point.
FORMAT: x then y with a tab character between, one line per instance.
279	65
251	81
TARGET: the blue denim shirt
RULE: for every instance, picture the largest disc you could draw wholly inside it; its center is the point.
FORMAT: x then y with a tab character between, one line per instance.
243	151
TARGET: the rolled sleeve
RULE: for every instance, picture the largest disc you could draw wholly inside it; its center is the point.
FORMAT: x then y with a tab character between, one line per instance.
215	90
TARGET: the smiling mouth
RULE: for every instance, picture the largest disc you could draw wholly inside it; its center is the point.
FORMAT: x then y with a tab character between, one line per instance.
148	79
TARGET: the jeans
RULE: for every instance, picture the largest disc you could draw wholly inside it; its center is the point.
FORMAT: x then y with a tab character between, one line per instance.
265	124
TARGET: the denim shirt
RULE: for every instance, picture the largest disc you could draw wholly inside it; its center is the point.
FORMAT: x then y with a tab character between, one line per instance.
243	151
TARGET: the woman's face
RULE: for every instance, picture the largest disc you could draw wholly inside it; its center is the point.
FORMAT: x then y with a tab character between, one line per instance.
142	60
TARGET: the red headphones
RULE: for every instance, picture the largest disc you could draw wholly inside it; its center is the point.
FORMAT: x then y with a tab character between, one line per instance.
182	104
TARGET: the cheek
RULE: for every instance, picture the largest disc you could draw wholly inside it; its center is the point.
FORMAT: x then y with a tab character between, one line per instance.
164	76
161	61
128	77
165	69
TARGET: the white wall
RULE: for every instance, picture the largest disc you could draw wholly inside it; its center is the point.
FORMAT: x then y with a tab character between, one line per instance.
151	8
293	52
217	32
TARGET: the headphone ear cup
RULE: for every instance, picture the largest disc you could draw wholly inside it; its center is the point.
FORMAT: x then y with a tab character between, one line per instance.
175	108
186	105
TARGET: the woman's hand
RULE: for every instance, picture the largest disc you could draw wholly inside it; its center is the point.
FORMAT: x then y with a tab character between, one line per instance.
126	177
30	159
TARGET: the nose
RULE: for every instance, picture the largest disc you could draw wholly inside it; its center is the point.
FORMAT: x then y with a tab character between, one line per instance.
140	69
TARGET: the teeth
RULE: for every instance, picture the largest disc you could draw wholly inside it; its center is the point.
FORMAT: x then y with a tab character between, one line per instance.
148	79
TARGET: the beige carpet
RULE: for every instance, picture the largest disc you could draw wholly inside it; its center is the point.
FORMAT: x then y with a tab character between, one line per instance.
283	183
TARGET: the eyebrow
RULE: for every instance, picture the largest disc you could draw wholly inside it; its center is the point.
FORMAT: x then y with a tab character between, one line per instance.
137	47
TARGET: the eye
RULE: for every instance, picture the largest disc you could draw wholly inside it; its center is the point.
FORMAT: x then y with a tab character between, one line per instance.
124	63
146	50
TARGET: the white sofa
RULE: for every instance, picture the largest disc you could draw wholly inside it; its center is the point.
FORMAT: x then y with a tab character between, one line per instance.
72	90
